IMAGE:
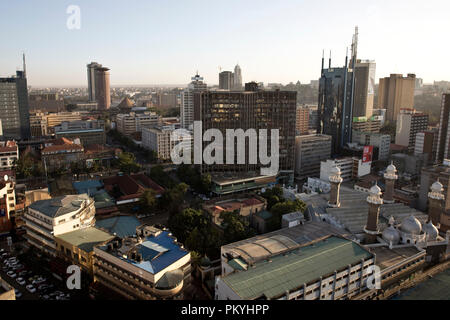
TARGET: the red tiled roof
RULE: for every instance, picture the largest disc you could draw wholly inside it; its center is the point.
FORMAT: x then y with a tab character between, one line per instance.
251	202
63	147
131	186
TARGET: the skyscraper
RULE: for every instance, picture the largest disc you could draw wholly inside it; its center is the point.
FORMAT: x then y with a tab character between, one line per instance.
251	109
237	78
226	80
14	110
335	106
396	92
187	101
443	140
364	88
102	88
91	79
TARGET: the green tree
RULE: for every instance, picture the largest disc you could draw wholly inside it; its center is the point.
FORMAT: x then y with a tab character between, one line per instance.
127	163
183	223
148	200
236	228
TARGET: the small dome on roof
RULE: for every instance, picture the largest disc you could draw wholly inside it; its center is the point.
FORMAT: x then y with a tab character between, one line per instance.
375	190
336	170
437	187
391	235
391	168
411	225
431	231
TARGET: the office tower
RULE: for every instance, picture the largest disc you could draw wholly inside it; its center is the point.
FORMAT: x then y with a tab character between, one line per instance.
91	69
14	112
336	92
226	80
102	88
396	92
310	151
443	140
426	143
237	85
187	101
302	123
245	110
409	124
364	88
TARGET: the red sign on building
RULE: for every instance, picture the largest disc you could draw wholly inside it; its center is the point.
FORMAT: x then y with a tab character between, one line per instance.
367	154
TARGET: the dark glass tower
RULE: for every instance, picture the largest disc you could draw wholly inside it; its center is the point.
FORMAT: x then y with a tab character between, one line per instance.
335	105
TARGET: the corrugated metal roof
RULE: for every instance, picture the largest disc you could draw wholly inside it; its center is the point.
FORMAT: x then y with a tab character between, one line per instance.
290	271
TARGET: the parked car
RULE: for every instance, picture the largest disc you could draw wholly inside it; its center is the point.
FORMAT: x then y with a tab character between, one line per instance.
21	281
18	293
11	274
38	281
43	287
30	288
23	273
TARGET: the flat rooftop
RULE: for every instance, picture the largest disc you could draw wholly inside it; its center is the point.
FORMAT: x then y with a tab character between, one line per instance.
283	273
386	257
86	239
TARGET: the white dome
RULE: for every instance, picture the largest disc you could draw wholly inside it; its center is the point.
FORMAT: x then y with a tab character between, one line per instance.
391	168
375	190
411	225
431	231
391	235
335	170
437	187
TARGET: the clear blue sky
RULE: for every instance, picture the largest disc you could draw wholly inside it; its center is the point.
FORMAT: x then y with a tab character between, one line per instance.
166	41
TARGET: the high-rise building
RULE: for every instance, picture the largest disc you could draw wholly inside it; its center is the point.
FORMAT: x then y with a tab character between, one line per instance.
409	124
443	140
426	143
396	92
256	109
91	69
310	151
302	123
102	88
226	80
187	101
237	85
364	88
336	95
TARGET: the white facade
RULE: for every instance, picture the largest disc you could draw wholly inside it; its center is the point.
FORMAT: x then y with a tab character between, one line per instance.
43	225
162	140
128	124
345	164
187	102
9	154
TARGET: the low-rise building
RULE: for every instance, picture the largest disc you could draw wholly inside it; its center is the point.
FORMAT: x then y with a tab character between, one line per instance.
46	219
78	246
147	267
127	124
351	168
60	153
332	268
7	203
89	132
9	154
380	141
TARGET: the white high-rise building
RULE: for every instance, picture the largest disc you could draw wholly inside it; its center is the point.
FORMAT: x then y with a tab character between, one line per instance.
187	101
237	78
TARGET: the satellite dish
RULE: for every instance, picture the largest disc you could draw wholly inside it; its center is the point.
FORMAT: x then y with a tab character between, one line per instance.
5	177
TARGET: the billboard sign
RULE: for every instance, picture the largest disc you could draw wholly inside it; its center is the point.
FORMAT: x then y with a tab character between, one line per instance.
367	154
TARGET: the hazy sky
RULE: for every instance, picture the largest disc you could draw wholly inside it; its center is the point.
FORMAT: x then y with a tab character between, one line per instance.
166	41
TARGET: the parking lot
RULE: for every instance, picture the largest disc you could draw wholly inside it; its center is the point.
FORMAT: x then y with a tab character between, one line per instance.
29	284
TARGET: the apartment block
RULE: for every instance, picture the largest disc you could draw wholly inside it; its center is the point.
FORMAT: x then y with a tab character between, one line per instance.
409	124
310	151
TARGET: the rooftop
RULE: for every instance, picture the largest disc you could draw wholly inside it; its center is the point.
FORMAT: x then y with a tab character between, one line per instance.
158	252
86	239
61	205
121	226
283	273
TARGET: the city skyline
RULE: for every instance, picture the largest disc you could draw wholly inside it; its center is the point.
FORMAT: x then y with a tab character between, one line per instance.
159	46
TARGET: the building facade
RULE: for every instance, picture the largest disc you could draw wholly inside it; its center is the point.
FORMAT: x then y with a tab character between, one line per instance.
310	151
409	124
187	101
162	140
364	88
443	140
133	122
396	92
46	219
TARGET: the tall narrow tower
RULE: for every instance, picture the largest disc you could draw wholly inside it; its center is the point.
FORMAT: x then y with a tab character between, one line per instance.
390	177
436	202
335	181
375	201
